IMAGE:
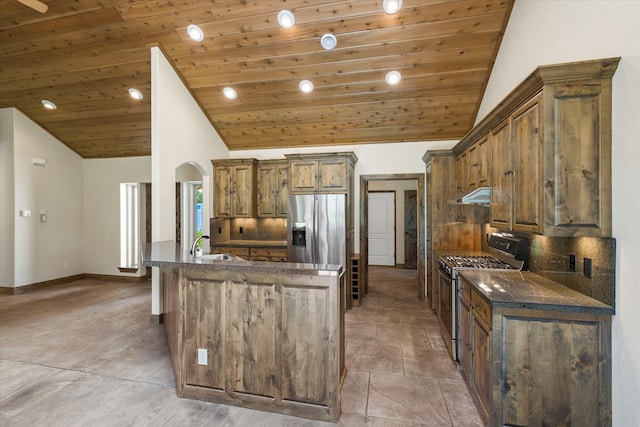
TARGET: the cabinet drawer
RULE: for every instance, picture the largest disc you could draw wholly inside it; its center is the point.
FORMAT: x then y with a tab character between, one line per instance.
481	308
268	252
465	292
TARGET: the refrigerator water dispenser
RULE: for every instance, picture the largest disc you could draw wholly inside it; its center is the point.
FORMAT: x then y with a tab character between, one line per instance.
299	234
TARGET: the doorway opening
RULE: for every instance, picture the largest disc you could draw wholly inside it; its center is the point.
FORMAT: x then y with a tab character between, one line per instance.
368	182
190	203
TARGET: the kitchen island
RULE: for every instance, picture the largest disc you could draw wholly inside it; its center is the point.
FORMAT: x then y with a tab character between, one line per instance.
262	335
534	352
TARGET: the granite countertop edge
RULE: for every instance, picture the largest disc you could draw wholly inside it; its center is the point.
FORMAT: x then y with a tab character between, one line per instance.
169	254
542	293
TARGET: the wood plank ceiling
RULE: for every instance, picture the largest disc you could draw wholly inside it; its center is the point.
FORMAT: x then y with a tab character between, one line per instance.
84	54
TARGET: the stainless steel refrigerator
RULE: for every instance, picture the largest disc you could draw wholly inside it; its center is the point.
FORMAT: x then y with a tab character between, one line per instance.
317	229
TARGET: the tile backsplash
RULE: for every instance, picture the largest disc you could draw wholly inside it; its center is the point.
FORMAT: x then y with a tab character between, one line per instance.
224	229
549	257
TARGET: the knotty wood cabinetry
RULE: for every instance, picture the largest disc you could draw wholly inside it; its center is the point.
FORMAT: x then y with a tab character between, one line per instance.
475	338
551	151
321	173
254	253
472	166
440	184
266	341
234	188
516	170
273	188
535	363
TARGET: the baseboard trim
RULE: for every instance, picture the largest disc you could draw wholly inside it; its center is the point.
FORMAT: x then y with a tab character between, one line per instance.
6	290
114	278
156	319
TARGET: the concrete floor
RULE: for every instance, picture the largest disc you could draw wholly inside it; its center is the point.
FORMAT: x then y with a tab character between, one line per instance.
85	354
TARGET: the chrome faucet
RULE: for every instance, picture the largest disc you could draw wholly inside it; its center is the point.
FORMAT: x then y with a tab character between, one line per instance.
194	247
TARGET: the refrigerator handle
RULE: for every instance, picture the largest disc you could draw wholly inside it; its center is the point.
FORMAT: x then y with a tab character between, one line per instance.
314	243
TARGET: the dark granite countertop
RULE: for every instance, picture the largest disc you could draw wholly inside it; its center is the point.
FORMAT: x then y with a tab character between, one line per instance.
252	243
168	254
523	289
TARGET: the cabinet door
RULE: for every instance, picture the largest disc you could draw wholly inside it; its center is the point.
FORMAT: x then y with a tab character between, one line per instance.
501	175
222	192
482	161
578	159
281	190
204	329
464	340
304	175
242	199
481	358
461	183
333	175
472	167
266	194
527	145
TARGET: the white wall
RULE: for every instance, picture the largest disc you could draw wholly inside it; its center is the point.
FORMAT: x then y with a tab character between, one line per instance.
41	250
180	133
101	208
550	32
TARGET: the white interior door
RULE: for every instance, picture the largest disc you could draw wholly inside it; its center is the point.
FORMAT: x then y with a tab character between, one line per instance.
382	237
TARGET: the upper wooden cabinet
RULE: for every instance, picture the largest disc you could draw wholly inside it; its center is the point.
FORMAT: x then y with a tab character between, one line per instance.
273	188
550	142
516	170
234	188
321	173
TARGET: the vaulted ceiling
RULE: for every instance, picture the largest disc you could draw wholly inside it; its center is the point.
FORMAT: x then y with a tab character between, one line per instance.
85	54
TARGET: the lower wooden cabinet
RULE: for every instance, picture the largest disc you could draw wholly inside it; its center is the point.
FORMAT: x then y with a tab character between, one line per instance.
551	368
535	367
474	346
252	253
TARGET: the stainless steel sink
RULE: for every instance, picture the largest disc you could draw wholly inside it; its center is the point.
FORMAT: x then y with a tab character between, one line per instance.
221	257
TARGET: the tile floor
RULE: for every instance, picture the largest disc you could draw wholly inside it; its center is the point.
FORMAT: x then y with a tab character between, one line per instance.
85	354
399	372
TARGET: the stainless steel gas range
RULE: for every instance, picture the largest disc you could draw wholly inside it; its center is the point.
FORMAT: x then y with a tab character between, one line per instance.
506	252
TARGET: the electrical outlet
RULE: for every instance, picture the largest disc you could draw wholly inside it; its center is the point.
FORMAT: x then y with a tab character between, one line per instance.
572	262
588	268
202	356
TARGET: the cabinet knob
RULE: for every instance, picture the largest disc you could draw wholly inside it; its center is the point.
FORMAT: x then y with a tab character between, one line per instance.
508	173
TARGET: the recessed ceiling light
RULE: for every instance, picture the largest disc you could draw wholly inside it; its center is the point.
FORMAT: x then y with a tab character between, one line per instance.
286	19
49	105
230	92
393	77
391	6
306	86
195	32
328	41
135	93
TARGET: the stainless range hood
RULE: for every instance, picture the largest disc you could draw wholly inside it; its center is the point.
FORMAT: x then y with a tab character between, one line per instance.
481	196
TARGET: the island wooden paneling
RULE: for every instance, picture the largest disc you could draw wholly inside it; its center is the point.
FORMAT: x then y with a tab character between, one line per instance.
273	342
